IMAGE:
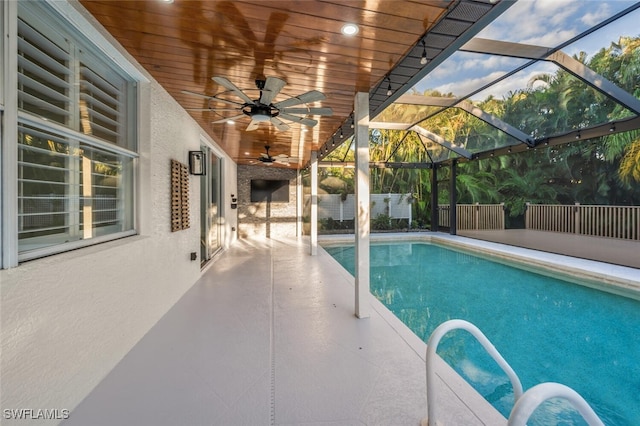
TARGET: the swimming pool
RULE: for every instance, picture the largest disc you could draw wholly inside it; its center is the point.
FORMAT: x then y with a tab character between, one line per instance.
546	328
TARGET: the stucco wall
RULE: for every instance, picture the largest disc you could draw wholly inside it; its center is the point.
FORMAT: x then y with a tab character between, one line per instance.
68	319
263	219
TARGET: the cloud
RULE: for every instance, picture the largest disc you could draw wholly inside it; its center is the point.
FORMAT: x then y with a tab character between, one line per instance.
597	16
530	20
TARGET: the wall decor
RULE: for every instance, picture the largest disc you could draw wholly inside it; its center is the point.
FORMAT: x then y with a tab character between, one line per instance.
179	196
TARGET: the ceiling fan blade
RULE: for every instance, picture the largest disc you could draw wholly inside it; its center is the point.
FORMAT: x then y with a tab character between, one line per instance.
226	101
308	111
252	126
186	92
306	121
212	109
272	87
224	120
280	125
305	98
224	82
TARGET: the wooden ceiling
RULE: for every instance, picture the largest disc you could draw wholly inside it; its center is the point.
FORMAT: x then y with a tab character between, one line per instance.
183	44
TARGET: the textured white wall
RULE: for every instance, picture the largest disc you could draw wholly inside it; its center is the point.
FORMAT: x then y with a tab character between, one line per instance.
66	320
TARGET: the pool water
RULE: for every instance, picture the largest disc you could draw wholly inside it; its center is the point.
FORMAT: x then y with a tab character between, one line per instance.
547	329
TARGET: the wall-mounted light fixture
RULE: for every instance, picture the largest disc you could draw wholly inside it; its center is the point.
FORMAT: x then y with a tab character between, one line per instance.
197	163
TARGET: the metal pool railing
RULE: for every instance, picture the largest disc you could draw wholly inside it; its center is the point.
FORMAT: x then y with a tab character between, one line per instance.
525	403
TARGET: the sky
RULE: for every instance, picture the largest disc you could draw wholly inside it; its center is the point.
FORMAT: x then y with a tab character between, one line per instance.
545	23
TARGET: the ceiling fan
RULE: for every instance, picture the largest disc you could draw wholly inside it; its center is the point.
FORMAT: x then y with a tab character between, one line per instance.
262	109
268	160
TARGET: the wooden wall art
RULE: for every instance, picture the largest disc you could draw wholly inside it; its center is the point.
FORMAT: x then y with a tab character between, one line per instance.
179	196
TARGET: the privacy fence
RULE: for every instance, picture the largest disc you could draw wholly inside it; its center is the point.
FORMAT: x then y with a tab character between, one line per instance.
342	208
473	216
622	222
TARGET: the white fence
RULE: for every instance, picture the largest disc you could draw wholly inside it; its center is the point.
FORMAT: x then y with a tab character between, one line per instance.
396	206
622	222
473	216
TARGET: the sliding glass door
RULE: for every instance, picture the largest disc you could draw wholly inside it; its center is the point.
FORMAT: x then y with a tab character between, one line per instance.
210	207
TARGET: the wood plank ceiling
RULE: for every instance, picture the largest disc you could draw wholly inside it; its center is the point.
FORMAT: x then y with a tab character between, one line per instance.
183	44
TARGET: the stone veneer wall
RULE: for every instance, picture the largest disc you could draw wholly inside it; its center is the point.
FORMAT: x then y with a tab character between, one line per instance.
259	219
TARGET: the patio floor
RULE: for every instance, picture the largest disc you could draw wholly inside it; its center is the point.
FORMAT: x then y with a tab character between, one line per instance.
268	336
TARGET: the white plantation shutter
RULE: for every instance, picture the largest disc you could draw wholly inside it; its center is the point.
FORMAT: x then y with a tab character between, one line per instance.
75	144
102	106
43	76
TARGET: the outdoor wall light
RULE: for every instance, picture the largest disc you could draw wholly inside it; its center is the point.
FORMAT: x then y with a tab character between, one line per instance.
578	135
612	128
197	163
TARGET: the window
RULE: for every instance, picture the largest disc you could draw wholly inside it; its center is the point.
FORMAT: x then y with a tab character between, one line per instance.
76	139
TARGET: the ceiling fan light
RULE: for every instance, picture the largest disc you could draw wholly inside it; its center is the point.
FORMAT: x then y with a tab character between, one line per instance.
260	117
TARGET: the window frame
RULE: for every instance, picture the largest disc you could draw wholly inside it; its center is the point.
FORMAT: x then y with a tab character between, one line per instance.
68	20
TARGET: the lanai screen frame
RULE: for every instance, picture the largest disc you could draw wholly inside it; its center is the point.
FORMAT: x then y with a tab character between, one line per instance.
527	55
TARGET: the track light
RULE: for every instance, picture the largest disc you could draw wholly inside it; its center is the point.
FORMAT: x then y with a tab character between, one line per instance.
389	91
423	59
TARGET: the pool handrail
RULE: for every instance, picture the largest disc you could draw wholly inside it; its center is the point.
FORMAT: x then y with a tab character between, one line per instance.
532	398
432	345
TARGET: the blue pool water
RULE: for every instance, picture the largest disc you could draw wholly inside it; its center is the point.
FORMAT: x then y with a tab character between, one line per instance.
547	329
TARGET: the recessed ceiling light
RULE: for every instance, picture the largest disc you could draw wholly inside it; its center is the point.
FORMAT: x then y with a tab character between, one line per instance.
230	122
247	153
166	1
350	29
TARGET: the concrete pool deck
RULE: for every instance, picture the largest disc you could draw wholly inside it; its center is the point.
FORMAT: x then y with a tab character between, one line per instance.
268	336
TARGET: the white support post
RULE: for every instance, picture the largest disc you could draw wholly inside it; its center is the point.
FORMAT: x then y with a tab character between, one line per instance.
314	204
363	208
299	204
